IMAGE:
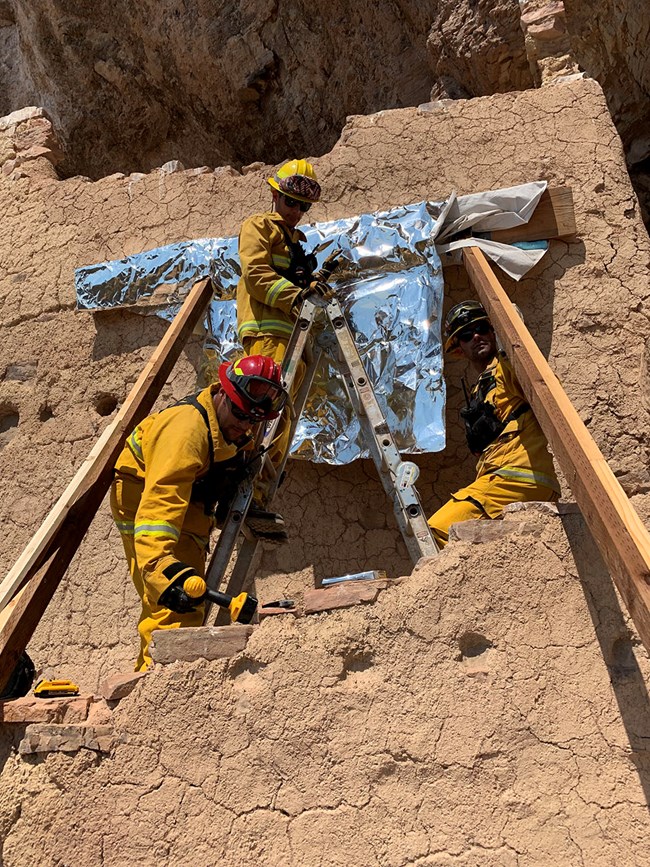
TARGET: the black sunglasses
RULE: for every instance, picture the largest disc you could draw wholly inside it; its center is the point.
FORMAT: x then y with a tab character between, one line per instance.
294	203
240	414
481	327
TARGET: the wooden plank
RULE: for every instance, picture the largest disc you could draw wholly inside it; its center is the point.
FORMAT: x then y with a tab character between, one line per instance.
554	217
27	608
622	539
94	475
46	558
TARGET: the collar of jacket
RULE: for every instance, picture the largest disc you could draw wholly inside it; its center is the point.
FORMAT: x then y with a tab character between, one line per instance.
491	367
296	234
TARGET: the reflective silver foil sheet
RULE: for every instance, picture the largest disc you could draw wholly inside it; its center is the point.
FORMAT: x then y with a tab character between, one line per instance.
390	285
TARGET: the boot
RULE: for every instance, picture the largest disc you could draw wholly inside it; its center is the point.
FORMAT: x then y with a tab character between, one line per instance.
266	526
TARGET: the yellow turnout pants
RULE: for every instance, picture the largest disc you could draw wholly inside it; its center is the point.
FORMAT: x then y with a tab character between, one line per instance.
275	348
124	504
485	498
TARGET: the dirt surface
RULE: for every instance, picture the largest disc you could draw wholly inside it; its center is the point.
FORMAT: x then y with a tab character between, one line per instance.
467	718
358	737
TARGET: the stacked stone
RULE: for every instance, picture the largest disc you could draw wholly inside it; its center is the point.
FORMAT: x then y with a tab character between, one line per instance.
29	146
548	44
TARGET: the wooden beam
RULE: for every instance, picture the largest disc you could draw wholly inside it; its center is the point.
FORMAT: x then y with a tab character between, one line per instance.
46	558
554	217
622	539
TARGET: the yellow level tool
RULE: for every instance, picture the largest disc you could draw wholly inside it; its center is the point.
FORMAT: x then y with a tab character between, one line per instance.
55	688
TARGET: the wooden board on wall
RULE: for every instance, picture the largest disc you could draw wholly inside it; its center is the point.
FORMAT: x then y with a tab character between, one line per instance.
622	539
44	561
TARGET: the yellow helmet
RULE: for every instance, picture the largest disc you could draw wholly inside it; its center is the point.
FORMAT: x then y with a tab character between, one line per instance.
297	179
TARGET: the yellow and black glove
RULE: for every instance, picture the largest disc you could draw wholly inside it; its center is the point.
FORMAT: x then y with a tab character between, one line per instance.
183	579
316	289
189	590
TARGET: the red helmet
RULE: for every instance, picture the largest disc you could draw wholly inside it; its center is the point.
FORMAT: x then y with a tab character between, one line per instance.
254	385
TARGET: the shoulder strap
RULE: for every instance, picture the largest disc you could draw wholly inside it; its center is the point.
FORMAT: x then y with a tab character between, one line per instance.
191	400
484	385
521	409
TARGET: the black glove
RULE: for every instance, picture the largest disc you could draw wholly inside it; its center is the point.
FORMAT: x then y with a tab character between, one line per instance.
319	287
333	261
177	600
174	597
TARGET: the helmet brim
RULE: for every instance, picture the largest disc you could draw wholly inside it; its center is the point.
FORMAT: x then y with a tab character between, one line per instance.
452	345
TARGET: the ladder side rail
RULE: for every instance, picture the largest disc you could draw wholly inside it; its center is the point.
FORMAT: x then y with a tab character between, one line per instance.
406	502
622	539
236	517
298	340
42	565
24	612
240	576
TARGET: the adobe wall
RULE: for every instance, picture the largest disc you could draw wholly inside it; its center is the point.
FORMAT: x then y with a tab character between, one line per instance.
60	369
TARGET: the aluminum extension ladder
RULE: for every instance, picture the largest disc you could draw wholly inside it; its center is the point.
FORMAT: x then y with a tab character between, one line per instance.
335	338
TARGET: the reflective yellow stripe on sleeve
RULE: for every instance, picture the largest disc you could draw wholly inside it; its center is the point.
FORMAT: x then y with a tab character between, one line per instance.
280	261
125	527
275	290
133	442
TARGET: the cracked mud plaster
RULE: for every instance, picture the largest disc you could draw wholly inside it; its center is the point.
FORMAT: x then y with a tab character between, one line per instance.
471	716
383	762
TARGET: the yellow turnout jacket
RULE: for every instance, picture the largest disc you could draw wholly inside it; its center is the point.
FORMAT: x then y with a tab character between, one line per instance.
154	474
520	452
264	297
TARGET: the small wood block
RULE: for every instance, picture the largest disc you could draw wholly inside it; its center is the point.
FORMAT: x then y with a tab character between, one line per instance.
120	685
199	642
554	217
343	595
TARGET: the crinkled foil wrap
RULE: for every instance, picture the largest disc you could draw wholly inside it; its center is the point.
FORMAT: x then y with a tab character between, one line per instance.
390	285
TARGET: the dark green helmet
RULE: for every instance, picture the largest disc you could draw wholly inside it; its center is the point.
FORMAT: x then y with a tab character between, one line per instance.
458	318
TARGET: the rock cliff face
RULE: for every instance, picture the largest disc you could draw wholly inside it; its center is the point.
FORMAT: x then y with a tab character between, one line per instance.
215	84
610	41
478	49
265	80
243	82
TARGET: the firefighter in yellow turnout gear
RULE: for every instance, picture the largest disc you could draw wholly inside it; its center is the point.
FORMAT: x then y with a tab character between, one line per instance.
169	477
276	278
514	464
